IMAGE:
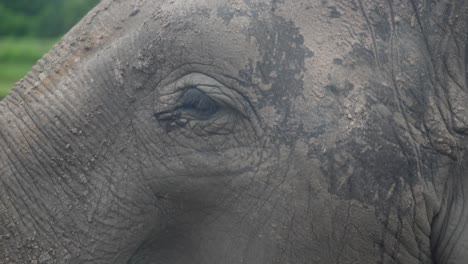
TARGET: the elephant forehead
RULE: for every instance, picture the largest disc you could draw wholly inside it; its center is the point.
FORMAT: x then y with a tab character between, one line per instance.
288	57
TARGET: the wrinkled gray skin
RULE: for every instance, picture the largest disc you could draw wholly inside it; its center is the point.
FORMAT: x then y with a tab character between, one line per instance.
242	131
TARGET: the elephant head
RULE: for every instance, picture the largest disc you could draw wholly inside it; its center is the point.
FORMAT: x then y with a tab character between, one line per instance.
242	131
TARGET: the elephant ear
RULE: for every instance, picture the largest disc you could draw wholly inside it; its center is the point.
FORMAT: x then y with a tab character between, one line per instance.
445	27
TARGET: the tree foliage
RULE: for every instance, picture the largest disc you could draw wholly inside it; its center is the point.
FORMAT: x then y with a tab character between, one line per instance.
41	18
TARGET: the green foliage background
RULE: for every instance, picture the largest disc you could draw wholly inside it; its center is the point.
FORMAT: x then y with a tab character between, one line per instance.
41	18
29	28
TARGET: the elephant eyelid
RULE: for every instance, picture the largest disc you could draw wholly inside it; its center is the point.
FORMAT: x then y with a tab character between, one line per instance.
199	97
198	103
226	98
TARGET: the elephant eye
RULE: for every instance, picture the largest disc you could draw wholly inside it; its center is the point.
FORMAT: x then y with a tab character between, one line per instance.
201	105
194	105
197	104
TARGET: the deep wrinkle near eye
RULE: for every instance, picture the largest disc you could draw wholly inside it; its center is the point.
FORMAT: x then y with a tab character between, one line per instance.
198	103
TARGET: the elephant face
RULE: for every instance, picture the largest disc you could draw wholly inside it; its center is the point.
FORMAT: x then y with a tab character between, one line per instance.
240	132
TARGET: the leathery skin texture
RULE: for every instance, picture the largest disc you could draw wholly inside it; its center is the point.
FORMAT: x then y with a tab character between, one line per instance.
242	131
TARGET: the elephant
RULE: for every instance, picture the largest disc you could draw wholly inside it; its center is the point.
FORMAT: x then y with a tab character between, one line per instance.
242	131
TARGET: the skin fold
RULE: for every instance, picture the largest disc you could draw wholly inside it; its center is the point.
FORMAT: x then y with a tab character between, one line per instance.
242	131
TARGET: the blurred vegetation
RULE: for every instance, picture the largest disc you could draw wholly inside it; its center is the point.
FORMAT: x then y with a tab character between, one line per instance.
29	28
17	56
41	18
